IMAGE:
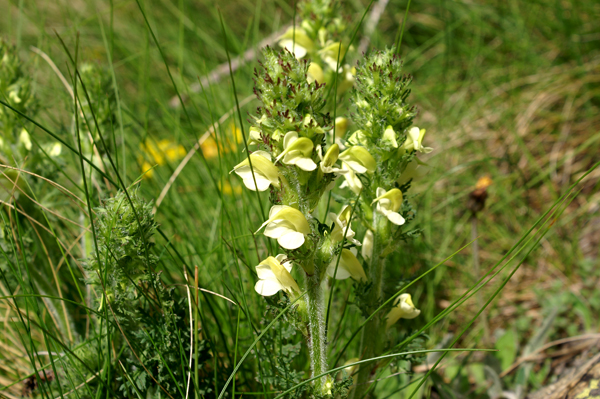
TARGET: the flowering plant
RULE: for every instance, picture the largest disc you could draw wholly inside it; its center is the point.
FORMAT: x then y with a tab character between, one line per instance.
288	139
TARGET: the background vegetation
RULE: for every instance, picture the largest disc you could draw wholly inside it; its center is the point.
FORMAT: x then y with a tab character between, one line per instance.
507	89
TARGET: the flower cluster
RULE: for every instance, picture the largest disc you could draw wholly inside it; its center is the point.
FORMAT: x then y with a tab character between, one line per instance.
292	157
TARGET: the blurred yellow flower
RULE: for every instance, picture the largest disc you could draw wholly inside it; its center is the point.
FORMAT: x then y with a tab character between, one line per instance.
403	309
159	153
233	137
228	189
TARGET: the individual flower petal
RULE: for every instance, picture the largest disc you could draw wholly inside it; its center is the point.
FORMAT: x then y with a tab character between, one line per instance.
414	170
351	180
367	245
341	127
328	161
25	140
275	276
389	138
403	309
341	224
255	136
315	73
414	141
348	266
265	172
358	138
359	160
297	151
296	41
333	54
286	224
388	204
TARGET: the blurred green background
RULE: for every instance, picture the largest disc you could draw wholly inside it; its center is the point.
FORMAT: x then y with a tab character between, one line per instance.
506	89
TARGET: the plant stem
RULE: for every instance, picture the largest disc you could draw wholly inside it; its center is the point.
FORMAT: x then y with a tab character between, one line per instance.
371	336
316	328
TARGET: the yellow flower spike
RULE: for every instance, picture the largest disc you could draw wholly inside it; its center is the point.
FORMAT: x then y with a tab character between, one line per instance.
388	204
403	309
275	276
297	151
296	41
315	73
352	181
389	137
349	266
367	245
286	224
341	224
265	172
414	141
341	127
359	160
159	153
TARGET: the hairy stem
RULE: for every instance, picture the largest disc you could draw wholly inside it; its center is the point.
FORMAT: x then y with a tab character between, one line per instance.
316	327
372	335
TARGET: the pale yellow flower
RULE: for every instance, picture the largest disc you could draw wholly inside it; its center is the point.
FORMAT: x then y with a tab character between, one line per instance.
275	276
414	141
332	54
341	222
287	225
296	41
388	204
297	151
403	309
359	160
389	138
25	140
414	170
349	266
341	127
351	180
328	161
367	245
265	173
315	73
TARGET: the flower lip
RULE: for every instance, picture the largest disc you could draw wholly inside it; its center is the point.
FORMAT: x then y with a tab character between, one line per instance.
414	140
297	151
265	173
349	266
274	276
388	204
341	222
359	160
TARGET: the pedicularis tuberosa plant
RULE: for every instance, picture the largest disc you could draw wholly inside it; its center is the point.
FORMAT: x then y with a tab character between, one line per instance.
293	155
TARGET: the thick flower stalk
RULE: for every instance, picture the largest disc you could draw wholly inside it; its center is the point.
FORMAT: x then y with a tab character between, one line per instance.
291	158
381	160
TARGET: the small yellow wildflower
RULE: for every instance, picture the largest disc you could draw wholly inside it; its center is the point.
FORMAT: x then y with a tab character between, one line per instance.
159	154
